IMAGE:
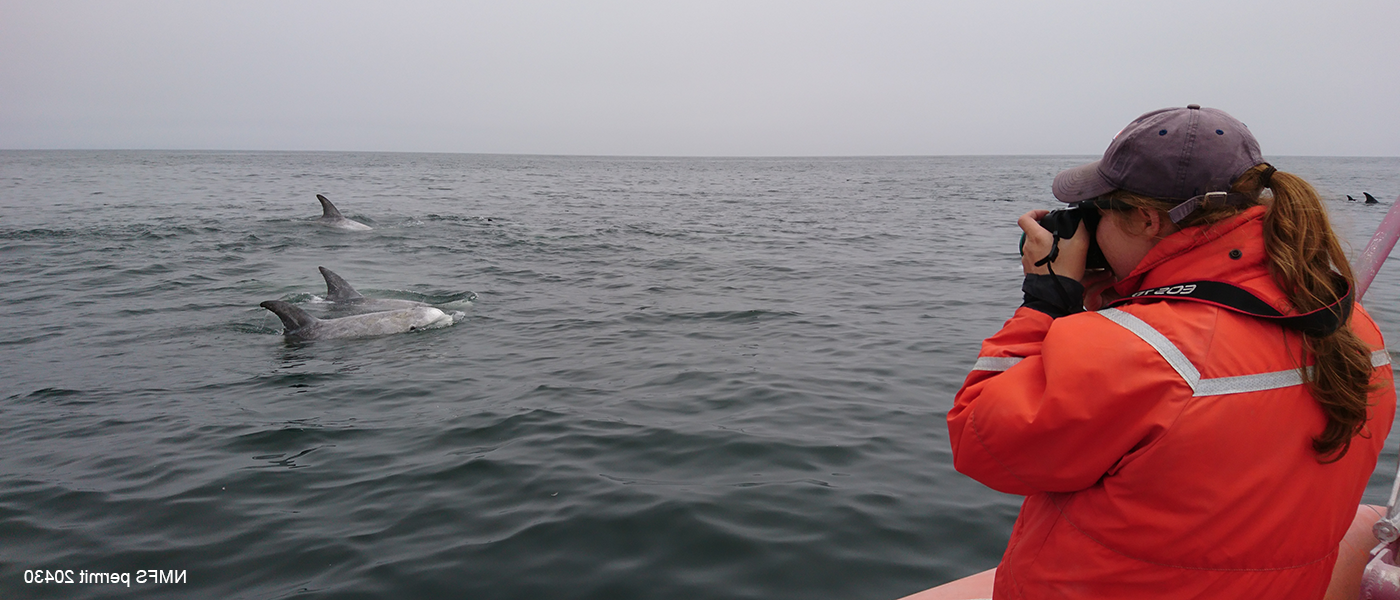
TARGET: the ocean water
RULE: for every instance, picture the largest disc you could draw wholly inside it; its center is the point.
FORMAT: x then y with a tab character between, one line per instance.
675	377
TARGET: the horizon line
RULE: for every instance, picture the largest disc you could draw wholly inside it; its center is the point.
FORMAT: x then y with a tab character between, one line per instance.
671	156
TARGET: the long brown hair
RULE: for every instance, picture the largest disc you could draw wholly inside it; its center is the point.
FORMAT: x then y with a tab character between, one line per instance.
1305	257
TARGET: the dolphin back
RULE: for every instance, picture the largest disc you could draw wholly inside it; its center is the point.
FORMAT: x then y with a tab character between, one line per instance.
293	318
337	289
377	323
331	217
328	210
1370	199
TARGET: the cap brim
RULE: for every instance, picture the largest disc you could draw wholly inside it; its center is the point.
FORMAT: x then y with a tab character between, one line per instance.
1081	183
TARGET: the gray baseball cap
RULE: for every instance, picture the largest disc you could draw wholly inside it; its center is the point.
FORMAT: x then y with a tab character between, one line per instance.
1168	154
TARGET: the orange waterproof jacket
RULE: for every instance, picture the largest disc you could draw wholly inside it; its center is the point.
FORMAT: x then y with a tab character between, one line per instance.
1175	465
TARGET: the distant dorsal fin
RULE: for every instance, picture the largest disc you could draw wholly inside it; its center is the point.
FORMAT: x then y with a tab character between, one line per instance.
1369	198
337	289
328	210
293	318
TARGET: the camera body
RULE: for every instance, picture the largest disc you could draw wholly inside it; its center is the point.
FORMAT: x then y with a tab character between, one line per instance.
1065	222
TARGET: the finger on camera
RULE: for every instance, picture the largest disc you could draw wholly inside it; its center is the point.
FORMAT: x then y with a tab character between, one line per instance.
1030	222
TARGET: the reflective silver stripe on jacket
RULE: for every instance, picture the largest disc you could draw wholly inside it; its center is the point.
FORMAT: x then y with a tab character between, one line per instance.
996	363
1217	386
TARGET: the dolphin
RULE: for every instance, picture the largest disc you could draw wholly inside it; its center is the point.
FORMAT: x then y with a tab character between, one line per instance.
344	297
1369	198
331	217
1350	199
300	325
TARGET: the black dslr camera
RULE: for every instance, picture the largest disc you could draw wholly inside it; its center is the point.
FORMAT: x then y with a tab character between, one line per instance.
1064	222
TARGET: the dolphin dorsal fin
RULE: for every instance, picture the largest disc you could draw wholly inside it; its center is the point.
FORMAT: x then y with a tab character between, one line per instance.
1369	198
293	318
337	289
328	210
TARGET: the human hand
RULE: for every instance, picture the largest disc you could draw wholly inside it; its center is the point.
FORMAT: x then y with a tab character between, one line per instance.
1040	242
1098	288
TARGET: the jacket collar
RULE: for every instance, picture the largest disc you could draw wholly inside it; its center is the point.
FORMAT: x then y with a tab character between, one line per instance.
1231	250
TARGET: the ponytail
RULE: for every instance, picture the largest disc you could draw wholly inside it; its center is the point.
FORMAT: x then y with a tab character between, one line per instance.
1305	257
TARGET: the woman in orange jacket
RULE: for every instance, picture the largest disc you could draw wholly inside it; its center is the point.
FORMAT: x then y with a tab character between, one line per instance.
1208	430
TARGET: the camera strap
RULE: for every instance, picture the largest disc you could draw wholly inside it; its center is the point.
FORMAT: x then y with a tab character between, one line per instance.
1316	323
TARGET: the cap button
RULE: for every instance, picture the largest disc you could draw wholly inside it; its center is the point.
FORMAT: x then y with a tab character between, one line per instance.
1193	106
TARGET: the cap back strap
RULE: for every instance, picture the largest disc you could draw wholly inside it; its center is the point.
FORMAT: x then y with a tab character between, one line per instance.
1181	211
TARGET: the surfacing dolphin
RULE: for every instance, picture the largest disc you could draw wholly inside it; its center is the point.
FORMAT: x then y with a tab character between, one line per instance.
1370	199
331	217
345	298
301	325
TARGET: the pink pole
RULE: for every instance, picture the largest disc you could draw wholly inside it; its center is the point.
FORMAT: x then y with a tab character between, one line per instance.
1378	249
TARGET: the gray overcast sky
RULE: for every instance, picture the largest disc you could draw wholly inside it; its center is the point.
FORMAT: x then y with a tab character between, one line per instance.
705	77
